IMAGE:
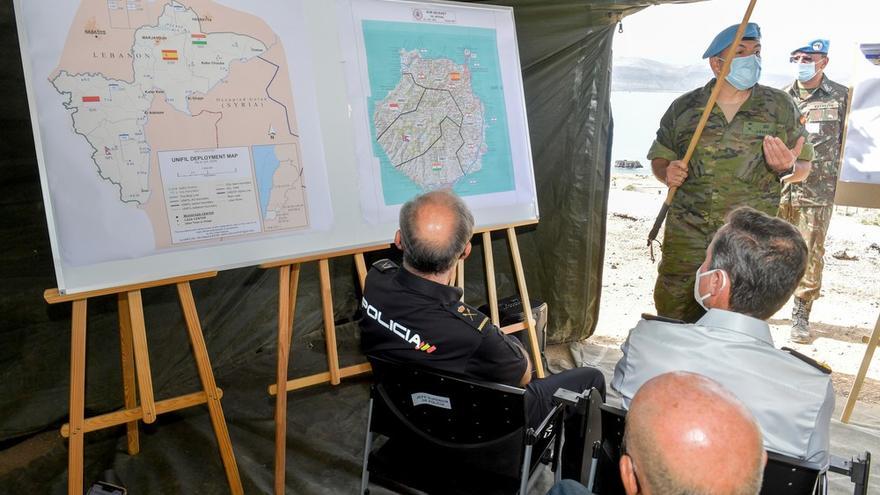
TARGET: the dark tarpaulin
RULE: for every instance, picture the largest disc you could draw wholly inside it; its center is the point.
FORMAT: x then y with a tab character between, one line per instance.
565	47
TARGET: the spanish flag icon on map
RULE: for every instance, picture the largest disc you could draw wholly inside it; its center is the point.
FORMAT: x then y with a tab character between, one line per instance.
169	54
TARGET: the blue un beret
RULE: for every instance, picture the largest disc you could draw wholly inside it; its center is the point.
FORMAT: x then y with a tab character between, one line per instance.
725	38
815	46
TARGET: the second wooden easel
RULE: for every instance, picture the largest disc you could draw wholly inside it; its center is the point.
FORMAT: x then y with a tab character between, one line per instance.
137	376
288	284
528	323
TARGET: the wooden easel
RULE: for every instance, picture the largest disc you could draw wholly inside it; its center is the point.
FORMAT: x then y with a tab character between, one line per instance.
288	283
873	342
136	375
489	262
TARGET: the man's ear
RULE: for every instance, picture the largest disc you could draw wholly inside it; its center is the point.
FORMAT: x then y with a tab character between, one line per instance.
398	240
824	63
467	251
715	64
720	285
628	475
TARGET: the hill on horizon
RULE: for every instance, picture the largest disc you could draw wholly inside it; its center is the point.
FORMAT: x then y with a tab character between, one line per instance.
642	74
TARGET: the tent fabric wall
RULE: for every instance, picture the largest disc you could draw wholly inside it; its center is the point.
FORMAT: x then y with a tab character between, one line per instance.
565	49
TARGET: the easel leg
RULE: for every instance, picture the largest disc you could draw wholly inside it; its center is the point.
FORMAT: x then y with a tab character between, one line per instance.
860	377
489	260
361	266
288	282
141	356
129	385
77	398
329	324
206	374
526	303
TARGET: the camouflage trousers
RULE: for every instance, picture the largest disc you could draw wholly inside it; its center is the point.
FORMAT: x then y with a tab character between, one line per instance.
813	222
684	249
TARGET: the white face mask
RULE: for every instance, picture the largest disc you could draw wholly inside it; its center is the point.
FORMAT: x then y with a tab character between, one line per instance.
700	298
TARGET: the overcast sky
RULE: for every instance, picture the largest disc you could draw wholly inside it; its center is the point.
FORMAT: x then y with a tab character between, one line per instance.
679	33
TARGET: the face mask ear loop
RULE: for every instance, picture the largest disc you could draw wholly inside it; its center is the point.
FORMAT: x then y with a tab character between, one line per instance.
723	278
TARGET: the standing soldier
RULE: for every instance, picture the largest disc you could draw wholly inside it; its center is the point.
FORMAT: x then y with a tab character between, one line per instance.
752	140
809	204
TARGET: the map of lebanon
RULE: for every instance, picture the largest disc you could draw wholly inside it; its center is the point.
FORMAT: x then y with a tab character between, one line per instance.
161	92
438	117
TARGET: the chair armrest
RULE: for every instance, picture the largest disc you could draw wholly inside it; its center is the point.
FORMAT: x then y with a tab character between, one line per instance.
857	468
578	401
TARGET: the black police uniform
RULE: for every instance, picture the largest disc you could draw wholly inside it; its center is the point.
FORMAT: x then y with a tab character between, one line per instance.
410	319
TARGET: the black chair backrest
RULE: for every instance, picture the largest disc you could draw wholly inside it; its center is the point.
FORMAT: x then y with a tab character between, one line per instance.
607	481
444	410
785	475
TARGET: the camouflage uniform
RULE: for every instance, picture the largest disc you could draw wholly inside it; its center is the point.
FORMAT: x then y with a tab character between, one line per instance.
727	170
808	205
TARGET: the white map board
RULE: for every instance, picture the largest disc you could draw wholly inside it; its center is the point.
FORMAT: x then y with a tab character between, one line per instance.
176	137
859	183
437	102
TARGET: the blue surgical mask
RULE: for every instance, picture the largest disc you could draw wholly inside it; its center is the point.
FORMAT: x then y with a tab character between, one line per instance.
806	71
744	72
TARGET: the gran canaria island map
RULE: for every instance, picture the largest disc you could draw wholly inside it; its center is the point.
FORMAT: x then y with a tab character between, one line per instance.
179	126
438	116
431	126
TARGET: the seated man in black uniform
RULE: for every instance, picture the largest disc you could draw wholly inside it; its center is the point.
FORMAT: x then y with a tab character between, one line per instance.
413	315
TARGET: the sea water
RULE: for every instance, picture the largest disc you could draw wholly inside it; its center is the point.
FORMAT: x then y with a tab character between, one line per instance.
636	120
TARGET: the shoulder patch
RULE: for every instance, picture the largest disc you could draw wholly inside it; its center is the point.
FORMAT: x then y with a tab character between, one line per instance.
385	265
663	319
469	315
824	368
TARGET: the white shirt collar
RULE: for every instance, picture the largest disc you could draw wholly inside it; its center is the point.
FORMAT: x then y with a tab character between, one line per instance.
737	322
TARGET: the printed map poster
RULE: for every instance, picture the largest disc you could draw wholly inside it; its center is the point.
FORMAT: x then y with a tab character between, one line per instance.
437	102
859	183
173	136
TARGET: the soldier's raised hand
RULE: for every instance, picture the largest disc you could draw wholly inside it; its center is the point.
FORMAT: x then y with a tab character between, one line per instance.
779	157
676	173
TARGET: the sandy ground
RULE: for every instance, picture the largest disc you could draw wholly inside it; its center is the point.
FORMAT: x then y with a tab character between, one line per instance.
842	318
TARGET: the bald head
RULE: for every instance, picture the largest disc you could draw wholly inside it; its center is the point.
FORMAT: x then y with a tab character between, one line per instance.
435	231
686	433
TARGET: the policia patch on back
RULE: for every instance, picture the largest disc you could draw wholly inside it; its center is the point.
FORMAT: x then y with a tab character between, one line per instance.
469	315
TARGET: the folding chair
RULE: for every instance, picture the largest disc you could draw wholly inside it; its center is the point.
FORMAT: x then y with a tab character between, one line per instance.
451	435
787	475
783	475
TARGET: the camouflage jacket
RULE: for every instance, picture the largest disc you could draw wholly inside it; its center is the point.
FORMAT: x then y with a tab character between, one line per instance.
824	114
728	168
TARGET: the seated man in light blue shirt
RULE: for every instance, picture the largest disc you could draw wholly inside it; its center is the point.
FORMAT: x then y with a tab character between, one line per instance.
751	269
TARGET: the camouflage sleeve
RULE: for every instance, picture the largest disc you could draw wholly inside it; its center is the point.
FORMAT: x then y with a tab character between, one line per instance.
794	121
662	147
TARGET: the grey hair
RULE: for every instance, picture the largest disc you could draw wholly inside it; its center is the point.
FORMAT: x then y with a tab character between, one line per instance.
765	258
433	257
